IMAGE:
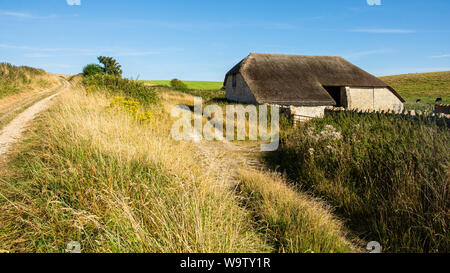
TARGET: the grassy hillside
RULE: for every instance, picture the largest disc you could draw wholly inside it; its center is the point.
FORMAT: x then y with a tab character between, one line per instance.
425	86
14	79
388	176
98	175
101	168
199	85
21	87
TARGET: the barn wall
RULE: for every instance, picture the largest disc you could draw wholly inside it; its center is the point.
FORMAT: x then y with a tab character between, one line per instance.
305	113
379	99
360	98
241	93
386	100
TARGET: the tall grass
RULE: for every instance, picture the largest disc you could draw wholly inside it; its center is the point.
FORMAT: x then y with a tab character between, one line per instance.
93	174
14	79
389	176
292	222
289	221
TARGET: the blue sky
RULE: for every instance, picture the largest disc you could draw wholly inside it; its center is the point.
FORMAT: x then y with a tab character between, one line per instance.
203	39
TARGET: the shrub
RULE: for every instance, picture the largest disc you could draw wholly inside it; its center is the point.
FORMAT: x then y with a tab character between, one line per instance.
178	85
389	176
92	69
119	86
110	66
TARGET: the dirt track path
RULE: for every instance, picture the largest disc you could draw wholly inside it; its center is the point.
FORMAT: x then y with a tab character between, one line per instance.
11	106
12	132
227	158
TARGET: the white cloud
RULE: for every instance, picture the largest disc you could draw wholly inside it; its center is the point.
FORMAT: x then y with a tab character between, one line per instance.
384	30
16	14
43	49
41	52
37	55
133	53
441	56
356	55
24	15
73	2
408	70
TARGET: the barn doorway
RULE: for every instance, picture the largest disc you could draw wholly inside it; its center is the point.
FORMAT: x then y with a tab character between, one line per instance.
335	93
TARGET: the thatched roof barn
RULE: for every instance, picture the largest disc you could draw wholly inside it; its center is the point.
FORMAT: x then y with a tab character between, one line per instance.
307	81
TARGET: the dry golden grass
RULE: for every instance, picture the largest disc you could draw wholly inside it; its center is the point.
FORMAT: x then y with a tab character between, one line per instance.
292	221
93	174
97	176
289	220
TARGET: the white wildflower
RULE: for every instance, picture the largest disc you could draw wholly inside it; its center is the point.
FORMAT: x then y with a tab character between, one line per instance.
330	128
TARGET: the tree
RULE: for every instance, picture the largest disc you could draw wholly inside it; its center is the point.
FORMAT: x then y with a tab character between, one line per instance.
110	66
92	69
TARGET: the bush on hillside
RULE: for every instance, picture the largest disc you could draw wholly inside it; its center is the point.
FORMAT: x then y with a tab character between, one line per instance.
388	176
178	85
118	86
110	66
92	69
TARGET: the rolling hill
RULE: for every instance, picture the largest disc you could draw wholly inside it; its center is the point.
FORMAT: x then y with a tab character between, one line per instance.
425	86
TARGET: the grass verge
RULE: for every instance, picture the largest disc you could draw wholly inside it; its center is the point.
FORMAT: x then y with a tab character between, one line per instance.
292	222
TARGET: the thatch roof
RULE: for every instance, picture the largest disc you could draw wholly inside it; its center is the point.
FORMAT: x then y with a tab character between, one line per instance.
298	80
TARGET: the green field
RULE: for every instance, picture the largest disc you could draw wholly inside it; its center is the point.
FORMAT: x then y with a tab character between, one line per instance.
199	85
425	86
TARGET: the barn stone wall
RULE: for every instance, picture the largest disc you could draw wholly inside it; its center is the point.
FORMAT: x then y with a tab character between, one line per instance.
240	92
378	99
305	113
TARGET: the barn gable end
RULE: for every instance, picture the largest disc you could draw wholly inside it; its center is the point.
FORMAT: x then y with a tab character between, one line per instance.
238	90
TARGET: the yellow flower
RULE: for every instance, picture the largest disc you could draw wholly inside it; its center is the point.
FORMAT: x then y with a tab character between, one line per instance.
132	107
